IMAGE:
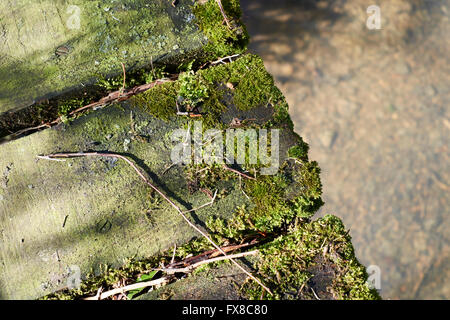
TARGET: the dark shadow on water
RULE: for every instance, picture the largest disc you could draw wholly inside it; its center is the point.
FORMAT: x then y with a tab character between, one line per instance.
282	20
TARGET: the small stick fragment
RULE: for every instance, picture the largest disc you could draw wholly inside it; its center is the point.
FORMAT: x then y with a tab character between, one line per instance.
223	13
65	220
98	295
239	173
124	77
50	159
173	255
315	295
229	58
170	167
104	295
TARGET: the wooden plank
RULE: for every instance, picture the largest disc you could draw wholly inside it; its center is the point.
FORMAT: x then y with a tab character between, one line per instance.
50	47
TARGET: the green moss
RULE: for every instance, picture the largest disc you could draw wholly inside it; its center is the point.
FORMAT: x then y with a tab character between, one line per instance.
110	84
68	105
285	264
160	101
252	84
206	177
222	40
155	74
299	151
268	212
308	188
277	202
132	79
192	90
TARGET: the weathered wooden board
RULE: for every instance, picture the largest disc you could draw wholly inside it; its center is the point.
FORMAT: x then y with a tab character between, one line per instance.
90	212
49	47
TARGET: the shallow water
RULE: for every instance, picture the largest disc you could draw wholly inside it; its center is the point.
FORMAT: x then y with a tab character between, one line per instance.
374	107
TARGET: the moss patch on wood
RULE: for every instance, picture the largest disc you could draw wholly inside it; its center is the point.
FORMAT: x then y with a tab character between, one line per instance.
287	265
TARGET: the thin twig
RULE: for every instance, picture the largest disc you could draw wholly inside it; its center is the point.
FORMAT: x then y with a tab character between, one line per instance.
169	272
204	205
221	60
238	172
174	252
315	295
210	254
45	125
223	13
115	96
177	208
301	288
207	192
65	220
229	58
170	167
50	159
130	287
124	77
97	296
200	263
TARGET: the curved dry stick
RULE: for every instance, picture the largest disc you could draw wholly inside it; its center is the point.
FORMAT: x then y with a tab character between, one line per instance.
223	13
180	212
134	286
170	272
238	172
117	96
